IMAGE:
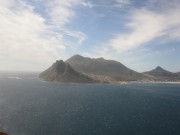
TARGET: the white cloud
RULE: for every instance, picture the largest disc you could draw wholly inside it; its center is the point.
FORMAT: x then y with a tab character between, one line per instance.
87	4
25	36
62	13
24	31
121	3
106	3
76	34
145	26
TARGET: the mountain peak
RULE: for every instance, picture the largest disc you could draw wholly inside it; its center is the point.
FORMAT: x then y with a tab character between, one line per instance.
159	68
101	58
161	74
77	56
59	61
60	67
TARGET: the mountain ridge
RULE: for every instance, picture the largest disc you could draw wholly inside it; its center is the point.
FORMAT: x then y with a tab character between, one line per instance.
160	73
79	69
102	68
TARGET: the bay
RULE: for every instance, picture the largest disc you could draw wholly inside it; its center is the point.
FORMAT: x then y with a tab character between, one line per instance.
29	106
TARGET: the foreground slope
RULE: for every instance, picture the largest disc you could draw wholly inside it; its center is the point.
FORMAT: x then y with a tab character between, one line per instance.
104	70
63	72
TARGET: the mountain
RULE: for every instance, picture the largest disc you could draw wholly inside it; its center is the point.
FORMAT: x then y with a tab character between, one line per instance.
61	71
161	74
104	70
178	73
79	69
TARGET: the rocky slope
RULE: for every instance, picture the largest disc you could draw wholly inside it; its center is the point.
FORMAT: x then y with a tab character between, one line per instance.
63	72
104	70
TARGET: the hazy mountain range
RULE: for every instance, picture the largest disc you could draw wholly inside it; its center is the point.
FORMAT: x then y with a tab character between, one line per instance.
79	69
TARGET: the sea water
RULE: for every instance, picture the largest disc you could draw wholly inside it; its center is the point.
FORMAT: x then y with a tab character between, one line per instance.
29	106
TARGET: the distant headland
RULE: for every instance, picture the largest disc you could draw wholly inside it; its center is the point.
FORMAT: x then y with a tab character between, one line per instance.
79	69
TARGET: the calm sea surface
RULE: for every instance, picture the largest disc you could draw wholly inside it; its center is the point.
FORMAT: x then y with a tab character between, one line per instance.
31	107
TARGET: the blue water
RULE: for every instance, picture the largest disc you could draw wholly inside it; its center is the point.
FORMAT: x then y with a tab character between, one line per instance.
31	107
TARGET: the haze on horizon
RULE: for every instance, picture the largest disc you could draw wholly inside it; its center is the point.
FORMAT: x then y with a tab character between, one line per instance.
139	34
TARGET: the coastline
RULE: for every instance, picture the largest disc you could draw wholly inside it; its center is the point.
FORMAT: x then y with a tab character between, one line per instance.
120	82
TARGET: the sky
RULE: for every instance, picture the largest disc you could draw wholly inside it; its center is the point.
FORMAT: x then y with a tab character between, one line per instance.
141	34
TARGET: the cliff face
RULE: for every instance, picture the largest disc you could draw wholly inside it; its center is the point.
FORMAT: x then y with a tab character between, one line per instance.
63	72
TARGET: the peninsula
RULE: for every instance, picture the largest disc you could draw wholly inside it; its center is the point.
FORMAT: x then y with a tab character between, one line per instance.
79	69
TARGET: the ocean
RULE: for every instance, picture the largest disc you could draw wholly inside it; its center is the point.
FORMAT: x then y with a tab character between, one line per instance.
29	106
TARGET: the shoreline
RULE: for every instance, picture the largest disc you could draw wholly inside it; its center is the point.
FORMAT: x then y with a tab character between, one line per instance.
136	82
120	83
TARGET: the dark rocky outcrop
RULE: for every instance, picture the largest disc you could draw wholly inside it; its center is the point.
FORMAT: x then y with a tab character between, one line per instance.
63	72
